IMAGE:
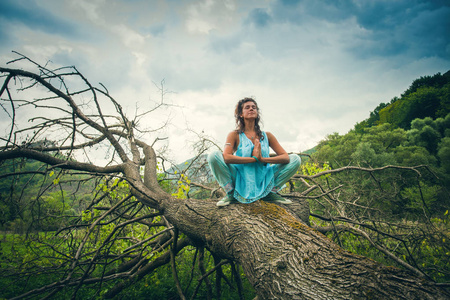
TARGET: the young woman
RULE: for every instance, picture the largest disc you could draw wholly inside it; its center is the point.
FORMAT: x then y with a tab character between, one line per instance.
244	169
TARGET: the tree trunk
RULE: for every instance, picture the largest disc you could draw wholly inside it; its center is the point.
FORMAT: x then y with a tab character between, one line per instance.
283	258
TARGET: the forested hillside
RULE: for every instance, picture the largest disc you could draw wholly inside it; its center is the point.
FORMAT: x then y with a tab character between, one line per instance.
413	130
409	131
428	96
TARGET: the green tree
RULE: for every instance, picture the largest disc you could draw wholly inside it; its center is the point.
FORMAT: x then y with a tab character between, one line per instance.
444	154
427	96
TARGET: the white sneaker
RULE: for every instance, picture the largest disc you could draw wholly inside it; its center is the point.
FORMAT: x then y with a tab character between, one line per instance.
276	198
227	200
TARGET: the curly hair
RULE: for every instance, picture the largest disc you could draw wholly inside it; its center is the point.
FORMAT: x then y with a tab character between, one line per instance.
240	125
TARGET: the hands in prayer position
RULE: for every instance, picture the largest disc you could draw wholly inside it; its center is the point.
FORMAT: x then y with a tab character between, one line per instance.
257	150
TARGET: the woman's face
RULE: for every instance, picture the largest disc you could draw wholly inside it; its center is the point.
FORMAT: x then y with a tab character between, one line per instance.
249	110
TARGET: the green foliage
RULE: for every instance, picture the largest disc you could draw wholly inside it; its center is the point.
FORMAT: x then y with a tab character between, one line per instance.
183	187
32	255
421	197
436	81
424	132
409	155
405	212
337	149
161	285
381	145
35	197
40	258
444	154
373	119
431	253
366	156
309	168
428	96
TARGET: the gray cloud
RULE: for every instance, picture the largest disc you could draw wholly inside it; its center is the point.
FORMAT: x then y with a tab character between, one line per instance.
418	28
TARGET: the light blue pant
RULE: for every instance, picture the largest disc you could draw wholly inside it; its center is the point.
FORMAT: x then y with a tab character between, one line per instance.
225	173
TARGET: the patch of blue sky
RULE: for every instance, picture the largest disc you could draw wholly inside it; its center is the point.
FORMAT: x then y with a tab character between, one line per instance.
29	14
259	17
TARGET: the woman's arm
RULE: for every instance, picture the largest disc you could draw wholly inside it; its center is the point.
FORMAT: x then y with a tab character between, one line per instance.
231	145
281	158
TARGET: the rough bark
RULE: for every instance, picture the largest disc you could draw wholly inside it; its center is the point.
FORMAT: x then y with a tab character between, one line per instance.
284	258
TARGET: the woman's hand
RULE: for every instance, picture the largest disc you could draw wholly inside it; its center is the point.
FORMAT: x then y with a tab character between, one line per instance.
257	150
230	146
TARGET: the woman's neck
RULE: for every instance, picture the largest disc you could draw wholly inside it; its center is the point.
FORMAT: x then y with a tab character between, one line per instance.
249	126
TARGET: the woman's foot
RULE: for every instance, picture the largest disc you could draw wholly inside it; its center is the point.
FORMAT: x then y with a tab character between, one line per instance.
276	198
227	200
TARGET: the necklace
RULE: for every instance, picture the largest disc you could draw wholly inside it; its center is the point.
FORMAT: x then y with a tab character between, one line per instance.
250	137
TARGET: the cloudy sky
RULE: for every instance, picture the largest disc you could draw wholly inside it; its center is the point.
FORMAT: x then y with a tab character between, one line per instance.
314	66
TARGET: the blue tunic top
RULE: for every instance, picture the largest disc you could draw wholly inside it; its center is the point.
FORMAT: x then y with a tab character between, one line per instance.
255	180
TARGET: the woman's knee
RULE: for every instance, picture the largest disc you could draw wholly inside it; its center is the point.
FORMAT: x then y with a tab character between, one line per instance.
214	157
295	160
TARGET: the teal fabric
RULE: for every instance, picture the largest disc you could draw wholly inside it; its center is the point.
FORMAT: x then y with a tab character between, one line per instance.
227	174
255	180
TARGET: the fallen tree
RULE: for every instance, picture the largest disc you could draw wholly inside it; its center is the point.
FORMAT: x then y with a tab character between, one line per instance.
282	256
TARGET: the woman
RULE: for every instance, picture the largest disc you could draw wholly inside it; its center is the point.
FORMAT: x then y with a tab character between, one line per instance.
244	169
